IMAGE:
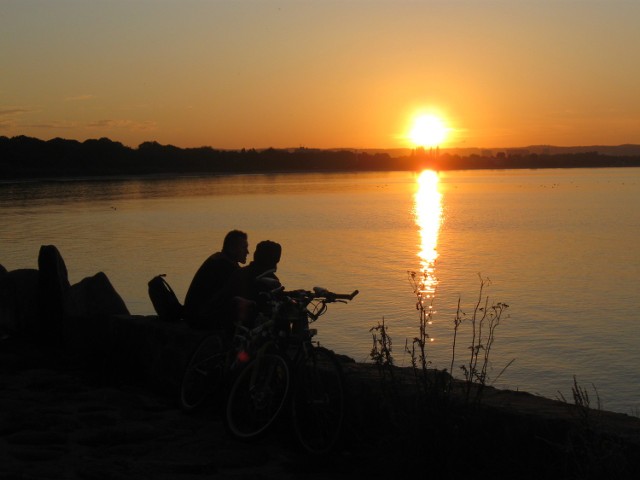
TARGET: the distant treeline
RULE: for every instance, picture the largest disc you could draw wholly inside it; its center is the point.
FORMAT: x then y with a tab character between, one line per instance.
27	157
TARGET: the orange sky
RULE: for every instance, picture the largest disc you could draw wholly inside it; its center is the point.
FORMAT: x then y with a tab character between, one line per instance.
323	74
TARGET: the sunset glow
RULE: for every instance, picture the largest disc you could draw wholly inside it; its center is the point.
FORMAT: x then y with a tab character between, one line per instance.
428	131
346	74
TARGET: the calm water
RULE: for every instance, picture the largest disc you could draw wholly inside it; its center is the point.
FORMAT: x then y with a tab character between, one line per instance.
559	246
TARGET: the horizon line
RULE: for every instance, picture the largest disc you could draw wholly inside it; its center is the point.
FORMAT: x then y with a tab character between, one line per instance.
303	147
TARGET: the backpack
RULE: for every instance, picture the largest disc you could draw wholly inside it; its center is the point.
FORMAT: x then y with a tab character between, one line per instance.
164	300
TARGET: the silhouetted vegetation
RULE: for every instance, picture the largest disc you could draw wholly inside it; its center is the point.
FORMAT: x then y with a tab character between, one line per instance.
443	428
27	157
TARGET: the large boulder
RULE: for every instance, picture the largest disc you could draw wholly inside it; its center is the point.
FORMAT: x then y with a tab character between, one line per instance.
53	286
94	296
88	306
19	301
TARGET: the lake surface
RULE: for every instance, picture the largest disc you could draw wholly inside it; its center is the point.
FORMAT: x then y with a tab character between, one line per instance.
560	247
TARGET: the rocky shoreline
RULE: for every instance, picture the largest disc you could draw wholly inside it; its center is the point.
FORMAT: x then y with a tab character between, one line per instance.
63	416
88	391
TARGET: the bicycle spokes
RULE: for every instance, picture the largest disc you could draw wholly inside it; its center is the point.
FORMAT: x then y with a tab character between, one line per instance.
258	396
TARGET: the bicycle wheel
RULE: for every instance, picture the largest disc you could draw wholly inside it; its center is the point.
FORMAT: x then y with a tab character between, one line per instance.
318	401
203	374
258	396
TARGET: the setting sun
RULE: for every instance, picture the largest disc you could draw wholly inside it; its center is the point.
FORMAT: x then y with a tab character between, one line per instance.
428	131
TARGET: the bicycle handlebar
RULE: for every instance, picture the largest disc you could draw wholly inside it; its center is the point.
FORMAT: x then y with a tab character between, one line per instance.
320	292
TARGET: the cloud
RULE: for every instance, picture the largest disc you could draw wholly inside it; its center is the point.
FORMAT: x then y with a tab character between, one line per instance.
9	121
80	98
8	116
12	111
124	124
54	125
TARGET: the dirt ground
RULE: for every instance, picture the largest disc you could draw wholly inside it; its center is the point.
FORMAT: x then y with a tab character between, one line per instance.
57	421
61	419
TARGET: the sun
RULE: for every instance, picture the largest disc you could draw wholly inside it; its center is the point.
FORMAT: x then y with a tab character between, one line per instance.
428	131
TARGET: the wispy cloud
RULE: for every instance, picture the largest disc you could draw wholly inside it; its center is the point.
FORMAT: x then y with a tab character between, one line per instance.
12	111
125	124
80	98
55	125
8	116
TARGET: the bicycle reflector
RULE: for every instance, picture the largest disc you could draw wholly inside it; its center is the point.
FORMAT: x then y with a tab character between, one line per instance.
243	356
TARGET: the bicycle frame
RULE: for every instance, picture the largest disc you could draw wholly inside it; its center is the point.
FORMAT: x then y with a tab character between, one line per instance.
282	340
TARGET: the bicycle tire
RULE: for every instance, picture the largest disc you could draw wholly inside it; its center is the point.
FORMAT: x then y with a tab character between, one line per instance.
203	374
317	403
258	396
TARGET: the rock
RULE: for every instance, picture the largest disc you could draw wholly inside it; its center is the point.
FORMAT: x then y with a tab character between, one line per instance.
88	305
18	301
94	296
53	285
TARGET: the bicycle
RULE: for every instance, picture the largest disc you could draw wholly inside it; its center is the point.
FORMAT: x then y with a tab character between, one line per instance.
204	372
213	364
259	394
316	391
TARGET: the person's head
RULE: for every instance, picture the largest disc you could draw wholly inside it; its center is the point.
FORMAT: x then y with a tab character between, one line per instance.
267	254
236	246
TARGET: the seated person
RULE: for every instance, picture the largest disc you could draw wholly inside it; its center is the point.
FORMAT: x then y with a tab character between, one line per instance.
203	304
244	288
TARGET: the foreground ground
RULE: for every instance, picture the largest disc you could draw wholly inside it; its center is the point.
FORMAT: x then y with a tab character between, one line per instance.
59	420
63	419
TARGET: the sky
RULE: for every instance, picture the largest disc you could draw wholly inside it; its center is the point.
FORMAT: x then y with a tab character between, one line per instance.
321	74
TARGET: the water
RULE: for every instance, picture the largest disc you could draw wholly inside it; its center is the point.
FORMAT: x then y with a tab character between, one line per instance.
559	246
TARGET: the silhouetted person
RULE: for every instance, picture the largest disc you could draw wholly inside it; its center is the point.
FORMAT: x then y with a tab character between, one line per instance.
243	291
203	306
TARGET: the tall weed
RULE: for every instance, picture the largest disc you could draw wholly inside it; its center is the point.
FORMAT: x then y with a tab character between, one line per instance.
483	322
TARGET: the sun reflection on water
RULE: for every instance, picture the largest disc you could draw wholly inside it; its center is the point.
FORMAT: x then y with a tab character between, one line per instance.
428	211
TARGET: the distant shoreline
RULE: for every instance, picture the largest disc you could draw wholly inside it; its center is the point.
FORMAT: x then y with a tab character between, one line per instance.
178	175
30	159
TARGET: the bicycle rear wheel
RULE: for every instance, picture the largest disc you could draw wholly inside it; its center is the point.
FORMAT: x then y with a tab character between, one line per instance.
318	401
258	396
204	373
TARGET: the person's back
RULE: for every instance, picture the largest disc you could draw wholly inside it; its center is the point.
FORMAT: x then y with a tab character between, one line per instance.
202	304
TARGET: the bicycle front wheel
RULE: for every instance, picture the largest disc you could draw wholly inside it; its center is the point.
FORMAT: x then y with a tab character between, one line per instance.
204	373
318	401
258	396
